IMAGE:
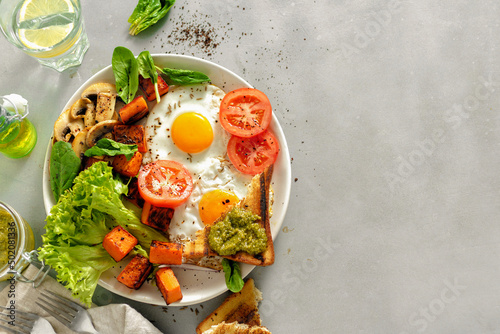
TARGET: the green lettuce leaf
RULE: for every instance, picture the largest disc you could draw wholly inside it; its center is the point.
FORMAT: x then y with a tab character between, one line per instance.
77	224
78	267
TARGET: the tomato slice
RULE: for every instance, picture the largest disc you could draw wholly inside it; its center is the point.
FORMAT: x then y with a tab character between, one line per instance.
245	112
165	183
253	155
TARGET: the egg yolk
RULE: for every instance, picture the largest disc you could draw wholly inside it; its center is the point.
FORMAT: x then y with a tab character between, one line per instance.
192	132
214	203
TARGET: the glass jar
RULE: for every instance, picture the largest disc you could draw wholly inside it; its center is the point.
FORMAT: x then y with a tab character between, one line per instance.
16	238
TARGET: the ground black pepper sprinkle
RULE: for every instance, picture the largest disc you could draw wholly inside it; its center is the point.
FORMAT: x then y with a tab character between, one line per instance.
201	35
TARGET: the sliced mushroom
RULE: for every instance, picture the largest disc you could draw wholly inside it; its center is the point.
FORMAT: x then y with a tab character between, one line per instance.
90	115
105	106
101	87
99	130
80	107
66	127
79	144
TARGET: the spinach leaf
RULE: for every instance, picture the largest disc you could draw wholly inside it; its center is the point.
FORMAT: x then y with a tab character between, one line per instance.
147	13
111	148
64	167
232	273
126	71
183	77
148	70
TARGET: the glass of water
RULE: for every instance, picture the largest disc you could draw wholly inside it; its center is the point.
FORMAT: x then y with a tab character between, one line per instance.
51	31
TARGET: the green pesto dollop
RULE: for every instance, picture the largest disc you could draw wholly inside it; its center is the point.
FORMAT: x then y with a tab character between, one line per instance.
238	231
5	223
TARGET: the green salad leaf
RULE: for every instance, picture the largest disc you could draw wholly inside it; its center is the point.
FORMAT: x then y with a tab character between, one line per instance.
183	77
148	70
126	72
77	224
64	167
147	13
111	148
232	274
79	267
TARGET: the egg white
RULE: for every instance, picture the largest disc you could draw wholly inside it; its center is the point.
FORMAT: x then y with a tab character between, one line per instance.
210	169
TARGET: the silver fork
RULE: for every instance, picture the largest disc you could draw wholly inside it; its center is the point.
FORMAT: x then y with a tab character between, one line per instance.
67	312
19	322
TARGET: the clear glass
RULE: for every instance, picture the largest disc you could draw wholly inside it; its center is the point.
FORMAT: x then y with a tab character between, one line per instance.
17	134
19	31
16	238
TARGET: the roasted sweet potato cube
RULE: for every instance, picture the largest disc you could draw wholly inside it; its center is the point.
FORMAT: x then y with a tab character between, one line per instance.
130	135
134	110
133	194
136	272
168	285
119	242
126	167
148	87
89	161
162	252
156	217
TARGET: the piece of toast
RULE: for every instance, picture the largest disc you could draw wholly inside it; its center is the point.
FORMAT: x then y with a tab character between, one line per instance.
236	328
258	202
240	307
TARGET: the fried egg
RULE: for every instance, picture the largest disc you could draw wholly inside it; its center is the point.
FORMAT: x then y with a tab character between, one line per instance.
185	127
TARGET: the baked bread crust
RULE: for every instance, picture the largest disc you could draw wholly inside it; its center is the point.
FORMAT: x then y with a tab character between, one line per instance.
239	308
258	202
236	328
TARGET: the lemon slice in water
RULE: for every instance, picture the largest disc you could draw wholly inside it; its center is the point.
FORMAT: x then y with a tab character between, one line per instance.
48	36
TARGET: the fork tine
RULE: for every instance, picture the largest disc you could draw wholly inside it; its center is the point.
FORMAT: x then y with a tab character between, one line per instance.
64	321
10	330
26	315
66	301
25	324
22	329
64	309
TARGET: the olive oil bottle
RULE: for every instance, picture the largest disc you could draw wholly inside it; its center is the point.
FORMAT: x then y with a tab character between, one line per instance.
17	134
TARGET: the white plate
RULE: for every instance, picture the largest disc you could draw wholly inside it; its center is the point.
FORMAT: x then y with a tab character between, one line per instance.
196	285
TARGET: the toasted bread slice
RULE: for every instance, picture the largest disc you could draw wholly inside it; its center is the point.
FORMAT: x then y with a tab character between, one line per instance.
240	307
258	202
236	328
